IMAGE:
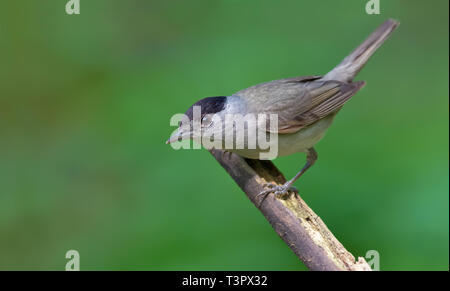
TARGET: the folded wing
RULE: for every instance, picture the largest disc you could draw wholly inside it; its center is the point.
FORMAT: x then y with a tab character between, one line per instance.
298	102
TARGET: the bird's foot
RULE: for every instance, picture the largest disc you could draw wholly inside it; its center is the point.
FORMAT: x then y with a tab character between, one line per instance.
280	191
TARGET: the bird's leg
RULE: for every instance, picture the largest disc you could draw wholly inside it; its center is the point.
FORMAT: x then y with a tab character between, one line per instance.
311	157
310	160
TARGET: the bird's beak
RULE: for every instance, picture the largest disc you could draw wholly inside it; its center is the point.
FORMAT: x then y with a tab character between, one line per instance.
178	135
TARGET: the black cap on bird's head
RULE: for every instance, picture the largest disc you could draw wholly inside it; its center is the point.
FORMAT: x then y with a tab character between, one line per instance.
208	107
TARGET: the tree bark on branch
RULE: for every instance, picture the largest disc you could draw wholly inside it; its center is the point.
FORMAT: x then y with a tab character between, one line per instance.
300	228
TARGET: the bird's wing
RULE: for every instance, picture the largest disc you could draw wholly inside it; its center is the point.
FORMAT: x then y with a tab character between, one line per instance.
298	102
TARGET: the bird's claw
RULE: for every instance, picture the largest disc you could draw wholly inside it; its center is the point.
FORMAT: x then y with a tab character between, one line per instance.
280	191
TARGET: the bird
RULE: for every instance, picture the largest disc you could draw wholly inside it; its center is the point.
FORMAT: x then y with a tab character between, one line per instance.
304	108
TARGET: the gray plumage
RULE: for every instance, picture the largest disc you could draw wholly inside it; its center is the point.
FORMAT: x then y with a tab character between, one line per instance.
305	106
302	101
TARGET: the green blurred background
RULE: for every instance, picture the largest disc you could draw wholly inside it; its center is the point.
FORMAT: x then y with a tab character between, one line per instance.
85	103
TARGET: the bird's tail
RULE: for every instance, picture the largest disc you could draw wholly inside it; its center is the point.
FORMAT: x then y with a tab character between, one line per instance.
354	62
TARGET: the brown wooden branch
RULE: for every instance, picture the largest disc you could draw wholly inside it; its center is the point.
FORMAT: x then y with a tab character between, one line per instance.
300	228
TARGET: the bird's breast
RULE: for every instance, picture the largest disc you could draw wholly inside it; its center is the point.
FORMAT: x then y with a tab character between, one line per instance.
288	144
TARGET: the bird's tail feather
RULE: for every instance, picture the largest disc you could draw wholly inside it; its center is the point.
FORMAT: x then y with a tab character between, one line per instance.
354	62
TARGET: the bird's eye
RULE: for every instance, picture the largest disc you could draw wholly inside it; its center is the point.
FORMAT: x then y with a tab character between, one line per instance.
206	120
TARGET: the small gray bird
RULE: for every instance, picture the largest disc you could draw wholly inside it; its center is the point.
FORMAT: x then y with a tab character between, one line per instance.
305	107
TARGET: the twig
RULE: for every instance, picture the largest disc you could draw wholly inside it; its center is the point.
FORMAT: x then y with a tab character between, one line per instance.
300	228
